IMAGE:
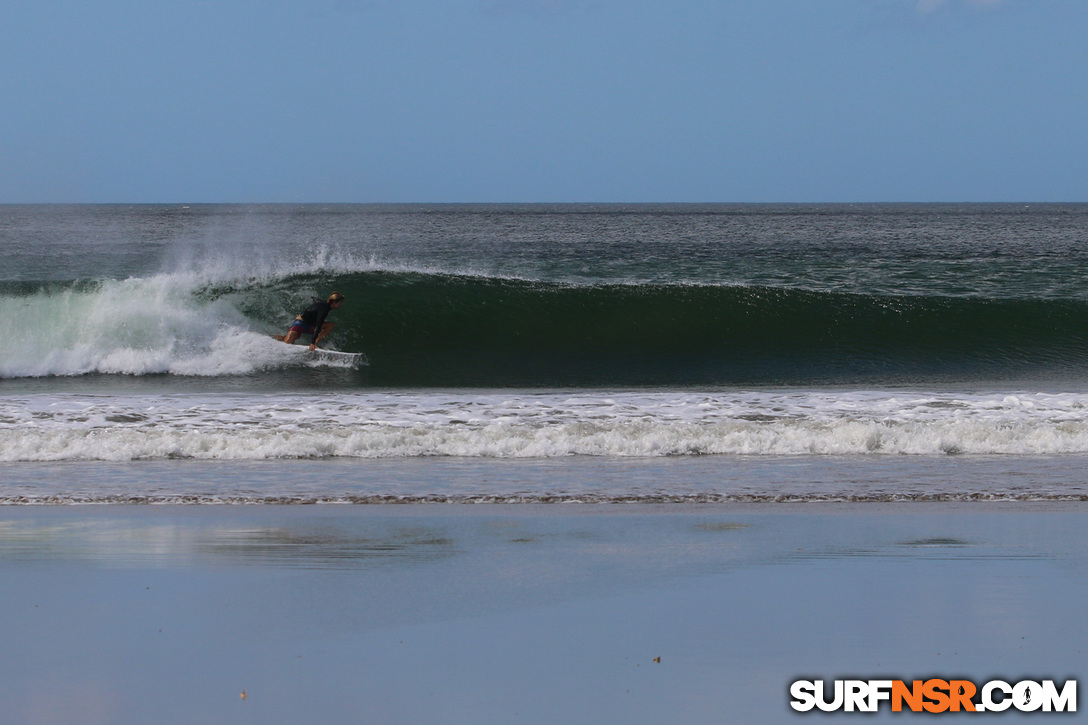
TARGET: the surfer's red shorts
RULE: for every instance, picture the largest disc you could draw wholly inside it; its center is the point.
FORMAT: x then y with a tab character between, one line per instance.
301	328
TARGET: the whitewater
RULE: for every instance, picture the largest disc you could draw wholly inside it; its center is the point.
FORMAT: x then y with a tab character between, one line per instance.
537	425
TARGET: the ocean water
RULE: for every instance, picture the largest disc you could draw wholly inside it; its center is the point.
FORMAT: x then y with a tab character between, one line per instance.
545	352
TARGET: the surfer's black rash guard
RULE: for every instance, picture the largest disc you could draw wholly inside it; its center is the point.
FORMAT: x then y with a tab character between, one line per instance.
315	315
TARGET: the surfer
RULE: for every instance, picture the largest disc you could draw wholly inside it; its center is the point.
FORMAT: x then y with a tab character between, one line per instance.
312	321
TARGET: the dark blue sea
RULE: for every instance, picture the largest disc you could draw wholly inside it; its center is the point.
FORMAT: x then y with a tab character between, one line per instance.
545	353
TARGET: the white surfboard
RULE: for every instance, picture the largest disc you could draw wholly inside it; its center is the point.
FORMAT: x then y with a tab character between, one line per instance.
346	358
329	356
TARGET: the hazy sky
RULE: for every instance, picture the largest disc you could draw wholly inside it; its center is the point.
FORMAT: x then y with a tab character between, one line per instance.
543	100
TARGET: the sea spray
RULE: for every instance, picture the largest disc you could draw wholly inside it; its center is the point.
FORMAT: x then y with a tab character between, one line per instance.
136	326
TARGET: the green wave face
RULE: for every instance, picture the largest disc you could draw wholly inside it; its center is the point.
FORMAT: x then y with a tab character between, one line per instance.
440	329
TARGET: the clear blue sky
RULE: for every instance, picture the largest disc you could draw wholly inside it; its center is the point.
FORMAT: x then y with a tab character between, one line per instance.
543	100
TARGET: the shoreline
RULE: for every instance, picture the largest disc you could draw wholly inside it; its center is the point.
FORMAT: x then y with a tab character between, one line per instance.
585	479
524	612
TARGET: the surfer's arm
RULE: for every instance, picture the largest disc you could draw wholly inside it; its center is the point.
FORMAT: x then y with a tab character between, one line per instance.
318	324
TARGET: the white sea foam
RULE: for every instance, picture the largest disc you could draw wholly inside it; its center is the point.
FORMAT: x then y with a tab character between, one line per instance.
137	326
53	427
162	323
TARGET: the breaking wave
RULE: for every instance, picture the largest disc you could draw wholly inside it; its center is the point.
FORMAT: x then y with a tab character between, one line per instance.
430	328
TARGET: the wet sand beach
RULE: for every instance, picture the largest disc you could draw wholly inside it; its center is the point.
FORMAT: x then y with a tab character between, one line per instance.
522	613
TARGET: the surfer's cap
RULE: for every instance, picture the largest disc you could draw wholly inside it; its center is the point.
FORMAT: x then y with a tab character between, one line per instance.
336	297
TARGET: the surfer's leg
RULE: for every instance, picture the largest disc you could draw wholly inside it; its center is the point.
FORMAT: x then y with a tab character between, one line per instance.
298	328
325	330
